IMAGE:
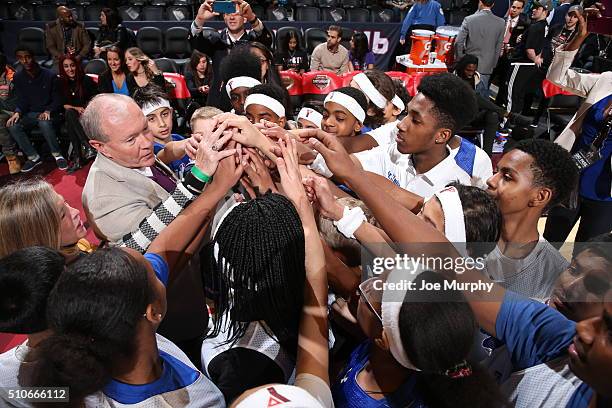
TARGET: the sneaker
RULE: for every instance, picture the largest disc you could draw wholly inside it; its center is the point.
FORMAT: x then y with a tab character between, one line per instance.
30	164
519	120
14	164
62	163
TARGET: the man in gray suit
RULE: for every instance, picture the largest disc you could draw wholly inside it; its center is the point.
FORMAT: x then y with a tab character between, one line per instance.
482	35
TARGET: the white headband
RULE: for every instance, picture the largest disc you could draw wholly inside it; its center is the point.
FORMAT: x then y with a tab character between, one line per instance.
370	90
241	81
216	228
264	100
398	103
348	102
391	305
310	115
454	221
149	108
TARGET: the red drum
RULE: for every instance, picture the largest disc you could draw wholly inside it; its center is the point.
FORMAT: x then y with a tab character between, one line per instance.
421	46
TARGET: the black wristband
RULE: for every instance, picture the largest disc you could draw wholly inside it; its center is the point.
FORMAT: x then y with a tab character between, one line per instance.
192	183
254	21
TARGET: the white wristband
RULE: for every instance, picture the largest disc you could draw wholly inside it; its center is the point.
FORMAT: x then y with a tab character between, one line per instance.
351	220
320	167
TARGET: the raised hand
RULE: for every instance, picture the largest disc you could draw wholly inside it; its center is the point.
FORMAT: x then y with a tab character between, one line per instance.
257	178
210	150
291	179
205	12
336	157
319	193
228	171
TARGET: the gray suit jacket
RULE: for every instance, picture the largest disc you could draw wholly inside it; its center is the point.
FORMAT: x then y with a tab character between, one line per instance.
116	198
481	35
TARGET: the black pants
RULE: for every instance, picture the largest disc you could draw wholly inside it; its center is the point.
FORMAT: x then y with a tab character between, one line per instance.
489	117
77	135
595	219
501	74
523	78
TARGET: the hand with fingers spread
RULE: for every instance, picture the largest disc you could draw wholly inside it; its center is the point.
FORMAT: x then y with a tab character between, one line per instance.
273	131
336	157
319	193
228	171
291	179
205	13
245	133
210	150
257	179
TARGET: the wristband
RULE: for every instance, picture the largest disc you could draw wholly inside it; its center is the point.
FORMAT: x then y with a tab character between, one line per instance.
200	175
351	220
320	167
254	21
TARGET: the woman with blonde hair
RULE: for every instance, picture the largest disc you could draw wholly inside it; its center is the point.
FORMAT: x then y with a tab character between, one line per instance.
142	71
33	214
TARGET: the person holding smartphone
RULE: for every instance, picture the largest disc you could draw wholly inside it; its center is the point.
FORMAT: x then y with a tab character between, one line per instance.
217	45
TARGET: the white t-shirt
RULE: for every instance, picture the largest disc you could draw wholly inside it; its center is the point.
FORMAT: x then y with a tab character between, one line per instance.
181	385
532	276
387	161
10	363
385	134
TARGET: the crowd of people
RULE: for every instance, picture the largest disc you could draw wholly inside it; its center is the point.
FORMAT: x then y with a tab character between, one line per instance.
358	254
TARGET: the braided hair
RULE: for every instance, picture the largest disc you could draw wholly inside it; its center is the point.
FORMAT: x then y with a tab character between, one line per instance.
257	270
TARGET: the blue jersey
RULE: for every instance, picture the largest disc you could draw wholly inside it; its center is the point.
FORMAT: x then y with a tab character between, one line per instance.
177	166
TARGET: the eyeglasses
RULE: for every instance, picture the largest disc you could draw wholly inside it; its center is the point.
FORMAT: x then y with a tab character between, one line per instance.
361	291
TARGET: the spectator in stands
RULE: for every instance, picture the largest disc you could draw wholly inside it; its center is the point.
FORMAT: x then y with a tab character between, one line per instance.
331	55
77	90
38	104
266	59
198	76
66	36
527	73
142	71
345	112
516	24
482	36
266	102
114	80
112	33
240	71
426	14
159	114
360	56
7	107
532	177
291	56
557	15
216	45
591	122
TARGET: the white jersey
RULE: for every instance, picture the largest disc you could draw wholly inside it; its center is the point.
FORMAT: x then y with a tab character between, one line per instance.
532	276
385	134
181	385
10	364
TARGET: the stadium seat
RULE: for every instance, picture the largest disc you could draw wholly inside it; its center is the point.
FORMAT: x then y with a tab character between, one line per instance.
282	33
259	11
96	66
178	13
45	12
350	4
4	11
161	3
150	41
292	81
402	76
278	14
93	33
317	84
314	36
176	45
92	13
138	3
21	11
34	38
84	3
358	15
179	95
79	11
184	2
167	65
347	34
327	3
333	14
309	14
382	16
152	13
129	13
305	3
347	77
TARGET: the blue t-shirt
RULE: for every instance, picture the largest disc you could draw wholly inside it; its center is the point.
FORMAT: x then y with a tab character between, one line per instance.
177	166
359	65
159	266
596	179
123	90
347	393
537	334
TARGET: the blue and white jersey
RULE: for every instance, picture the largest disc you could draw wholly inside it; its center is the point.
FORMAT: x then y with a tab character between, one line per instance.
180	385
11	363
537	338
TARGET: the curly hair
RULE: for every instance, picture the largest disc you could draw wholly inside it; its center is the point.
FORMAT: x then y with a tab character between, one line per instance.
552	167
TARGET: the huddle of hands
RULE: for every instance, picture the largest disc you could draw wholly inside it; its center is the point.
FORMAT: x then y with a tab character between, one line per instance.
265	157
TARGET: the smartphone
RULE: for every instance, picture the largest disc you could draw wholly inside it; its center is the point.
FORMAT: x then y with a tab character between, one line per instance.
224	7
602	25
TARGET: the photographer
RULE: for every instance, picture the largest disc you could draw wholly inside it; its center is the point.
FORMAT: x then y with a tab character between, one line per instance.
217	45
587	132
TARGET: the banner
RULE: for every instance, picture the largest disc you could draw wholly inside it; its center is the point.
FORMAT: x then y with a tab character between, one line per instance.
383	37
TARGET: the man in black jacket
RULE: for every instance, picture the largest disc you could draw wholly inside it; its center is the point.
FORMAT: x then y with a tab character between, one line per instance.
217	45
